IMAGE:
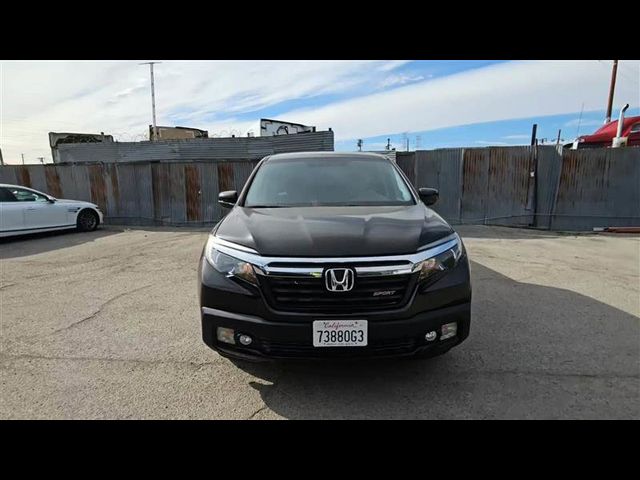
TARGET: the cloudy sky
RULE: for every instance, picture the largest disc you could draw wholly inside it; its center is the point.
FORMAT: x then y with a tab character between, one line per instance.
432	103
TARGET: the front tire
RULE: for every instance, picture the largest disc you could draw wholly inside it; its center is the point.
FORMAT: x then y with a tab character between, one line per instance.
87	220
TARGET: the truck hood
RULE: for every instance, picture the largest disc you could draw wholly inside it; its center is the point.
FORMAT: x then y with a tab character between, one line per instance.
333	231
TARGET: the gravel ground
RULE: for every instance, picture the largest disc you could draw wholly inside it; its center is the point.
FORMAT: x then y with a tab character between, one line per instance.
106	325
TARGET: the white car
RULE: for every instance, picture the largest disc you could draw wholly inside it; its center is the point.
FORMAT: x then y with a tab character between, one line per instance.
25	210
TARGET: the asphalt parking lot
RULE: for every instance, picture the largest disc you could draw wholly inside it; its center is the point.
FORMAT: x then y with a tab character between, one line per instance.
106	325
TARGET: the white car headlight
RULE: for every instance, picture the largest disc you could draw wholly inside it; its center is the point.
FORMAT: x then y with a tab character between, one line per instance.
441	262
228	265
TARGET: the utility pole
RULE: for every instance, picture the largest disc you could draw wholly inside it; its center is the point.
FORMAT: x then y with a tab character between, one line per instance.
533	134
405	141
580	120
153	99
558	139
22	155
1	159
612	87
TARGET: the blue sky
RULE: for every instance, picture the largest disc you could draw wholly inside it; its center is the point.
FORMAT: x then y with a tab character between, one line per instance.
502	133
410	72
434	103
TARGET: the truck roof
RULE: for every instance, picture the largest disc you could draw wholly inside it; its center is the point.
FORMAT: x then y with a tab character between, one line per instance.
609	130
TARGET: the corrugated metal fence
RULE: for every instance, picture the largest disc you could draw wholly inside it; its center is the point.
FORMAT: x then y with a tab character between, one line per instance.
539	186
572	190
598	187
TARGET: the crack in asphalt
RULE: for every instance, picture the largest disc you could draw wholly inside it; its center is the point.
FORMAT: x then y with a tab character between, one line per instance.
274	386
196	365
94	314
251	417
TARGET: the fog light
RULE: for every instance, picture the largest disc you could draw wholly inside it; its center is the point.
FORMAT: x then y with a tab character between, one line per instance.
226	335
245	339
430	336
449	330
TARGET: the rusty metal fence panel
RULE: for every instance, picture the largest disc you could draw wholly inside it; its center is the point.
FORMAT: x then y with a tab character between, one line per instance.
80	175
53	181
98	186
509	197
475	183
38	179
598	188
144	180
8	174
113	191
211	210
549	162
67	184
128	205
407	163
177	193
441	169
241	173
24	176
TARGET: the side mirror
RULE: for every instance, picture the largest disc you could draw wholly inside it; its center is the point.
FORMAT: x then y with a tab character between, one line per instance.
51	199
429	196
228	199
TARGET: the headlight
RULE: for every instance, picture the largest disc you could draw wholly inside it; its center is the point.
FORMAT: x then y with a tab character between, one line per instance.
439	263
230	266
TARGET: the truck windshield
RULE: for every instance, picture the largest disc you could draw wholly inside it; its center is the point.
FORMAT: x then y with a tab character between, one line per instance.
327	182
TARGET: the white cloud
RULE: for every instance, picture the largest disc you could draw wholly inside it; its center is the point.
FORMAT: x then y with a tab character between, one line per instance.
519	136
391	65
114	97
400	79
520	89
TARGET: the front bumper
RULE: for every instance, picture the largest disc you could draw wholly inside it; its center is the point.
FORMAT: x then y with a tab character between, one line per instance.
286	340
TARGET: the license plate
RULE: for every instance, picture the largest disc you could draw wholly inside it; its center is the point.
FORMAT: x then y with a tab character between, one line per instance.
340	333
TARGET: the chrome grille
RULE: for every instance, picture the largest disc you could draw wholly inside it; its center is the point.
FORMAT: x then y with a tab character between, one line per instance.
306	293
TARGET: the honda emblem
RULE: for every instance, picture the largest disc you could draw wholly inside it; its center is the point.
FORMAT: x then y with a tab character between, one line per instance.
339	279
